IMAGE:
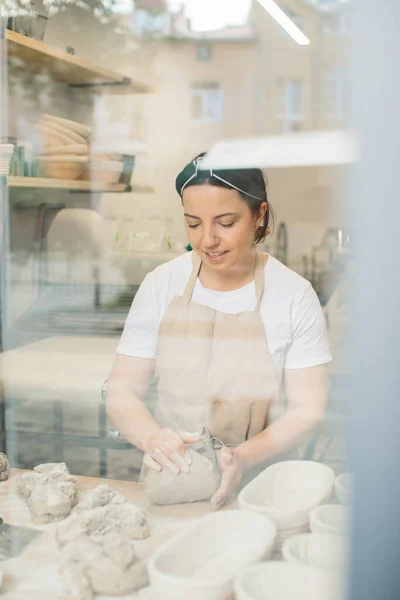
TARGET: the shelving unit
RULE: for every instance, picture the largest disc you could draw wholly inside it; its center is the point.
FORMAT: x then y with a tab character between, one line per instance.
68	68
41	59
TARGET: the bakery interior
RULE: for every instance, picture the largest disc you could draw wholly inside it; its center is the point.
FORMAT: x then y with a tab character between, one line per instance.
102	103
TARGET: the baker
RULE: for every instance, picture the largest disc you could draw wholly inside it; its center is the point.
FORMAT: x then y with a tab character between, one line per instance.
227	331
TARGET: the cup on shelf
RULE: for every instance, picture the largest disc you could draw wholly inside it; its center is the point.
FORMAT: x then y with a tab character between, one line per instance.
6	155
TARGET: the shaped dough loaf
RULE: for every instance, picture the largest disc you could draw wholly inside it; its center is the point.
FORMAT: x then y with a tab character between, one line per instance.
127	519
4	467
102	495
199	483
50	492
105	567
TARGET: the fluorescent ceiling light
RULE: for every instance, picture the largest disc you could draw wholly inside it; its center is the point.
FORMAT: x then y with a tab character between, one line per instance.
302	149
285	22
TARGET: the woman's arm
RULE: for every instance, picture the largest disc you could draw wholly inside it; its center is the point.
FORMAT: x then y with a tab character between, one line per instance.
126	388
306	391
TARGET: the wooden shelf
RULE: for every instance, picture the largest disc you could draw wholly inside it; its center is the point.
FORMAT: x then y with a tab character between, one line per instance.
68	68
61	184
73	185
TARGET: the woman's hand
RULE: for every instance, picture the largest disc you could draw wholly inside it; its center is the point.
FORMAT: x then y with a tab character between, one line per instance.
233	467
167	449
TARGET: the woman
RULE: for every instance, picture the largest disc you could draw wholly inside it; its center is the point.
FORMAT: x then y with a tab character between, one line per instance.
223	329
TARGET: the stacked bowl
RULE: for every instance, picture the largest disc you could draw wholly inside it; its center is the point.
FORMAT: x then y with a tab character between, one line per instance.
63	147
324	551
330	518
64	153
286	492
344	488
284	581
103	168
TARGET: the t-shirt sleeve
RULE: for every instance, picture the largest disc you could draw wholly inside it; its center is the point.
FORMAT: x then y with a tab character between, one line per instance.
139	336
309	346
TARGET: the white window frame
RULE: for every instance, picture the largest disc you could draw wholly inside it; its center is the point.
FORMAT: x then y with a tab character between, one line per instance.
339	78
206	95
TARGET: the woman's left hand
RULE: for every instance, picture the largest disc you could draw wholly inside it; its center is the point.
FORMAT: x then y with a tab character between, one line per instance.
232	472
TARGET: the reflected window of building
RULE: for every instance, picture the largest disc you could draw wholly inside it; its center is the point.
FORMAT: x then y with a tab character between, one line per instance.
337	23
206	101
337	95
204	52
292	105
146	22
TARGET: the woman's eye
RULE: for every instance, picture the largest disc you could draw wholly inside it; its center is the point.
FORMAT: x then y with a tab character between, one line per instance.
193	226
229	225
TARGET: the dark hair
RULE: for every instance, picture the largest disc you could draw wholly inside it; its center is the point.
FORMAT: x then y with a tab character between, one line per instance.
250	181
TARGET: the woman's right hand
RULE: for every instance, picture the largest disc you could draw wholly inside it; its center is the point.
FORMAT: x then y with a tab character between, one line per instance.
166	449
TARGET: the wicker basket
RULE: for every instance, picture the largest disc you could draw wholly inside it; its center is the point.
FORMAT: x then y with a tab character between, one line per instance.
62	166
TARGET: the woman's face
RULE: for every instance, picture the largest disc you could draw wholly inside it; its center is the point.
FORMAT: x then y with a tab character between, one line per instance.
220	225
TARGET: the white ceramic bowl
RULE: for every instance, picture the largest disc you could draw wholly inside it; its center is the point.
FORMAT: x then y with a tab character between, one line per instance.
283	581
284	535
344	488
287	491
322	551
329	518
201	561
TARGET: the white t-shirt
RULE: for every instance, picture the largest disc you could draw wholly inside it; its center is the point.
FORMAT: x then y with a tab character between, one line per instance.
290	310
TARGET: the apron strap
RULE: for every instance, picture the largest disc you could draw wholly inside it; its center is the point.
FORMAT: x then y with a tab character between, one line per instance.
259	278
187	295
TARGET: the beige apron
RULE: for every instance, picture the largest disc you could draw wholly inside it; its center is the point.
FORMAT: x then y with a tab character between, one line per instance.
214	369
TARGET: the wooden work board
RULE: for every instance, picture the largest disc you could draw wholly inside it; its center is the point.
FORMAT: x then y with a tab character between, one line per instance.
34	574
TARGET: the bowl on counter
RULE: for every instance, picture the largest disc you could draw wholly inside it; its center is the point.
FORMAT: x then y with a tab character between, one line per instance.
284	581
344	488
62	166
286	492
201	561
329	518
320	550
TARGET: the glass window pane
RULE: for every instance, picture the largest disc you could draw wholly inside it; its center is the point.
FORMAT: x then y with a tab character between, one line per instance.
293	97
346	97
106	108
